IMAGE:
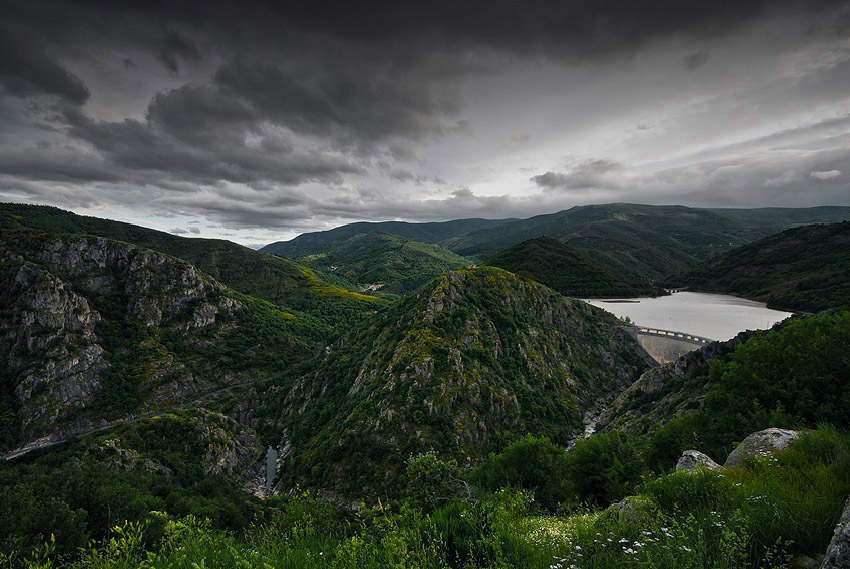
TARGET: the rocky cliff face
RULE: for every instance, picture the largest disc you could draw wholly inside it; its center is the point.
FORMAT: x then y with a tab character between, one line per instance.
666	391
474	357
51	353
48	344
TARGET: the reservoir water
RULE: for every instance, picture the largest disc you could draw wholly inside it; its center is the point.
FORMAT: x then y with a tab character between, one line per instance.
715	316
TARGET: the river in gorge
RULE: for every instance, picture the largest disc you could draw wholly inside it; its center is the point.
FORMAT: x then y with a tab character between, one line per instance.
715	316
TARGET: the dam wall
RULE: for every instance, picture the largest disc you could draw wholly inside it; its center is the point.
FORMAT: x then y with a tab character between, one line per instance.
667	345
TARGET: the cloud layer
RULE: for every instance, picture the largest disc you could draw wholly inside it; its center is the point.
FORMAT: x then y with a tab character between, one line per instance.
275	121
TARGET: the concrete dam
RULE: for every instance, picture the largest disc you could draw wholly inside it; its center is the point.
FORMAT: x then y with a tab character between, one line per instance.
667	345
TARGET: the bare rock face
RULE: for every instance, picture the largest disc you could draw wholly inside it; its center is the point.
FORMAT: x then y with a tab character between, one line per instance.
694	460
232	450
838	552
159	288
761	443
49	348
48	343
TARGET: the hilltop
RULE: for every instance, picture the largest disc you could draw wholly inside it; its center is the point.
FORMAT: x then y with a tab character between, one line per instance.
806	268
267	277
474	358
564	269
389	263
428	232
97	330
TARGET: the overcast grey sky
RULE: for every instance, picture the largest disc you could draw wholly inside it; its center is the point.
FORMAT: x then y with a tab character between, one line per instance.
256	123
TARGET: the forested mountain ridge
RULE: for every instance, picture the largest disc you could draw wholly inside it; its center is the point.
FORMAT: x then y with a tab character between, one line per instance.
643	241
425	232
472	359
388	263
640	242
267	277
565	270
806	268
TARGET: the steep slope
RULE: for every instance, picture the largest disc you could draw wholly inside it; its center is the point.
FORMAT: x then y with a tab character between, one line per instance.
472	359
264	276
431	232
641	241
94	330
564	269
186	462
794	375
392	264
807	268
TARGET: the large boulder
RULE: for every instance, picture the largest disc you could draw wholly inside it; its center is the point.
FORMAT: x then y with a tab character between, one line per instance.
761	443
838	552
694	460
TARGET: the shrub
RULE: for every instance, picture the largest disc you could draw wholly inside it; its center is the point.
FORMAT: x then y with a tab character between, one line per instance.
432	482
534	464
603	468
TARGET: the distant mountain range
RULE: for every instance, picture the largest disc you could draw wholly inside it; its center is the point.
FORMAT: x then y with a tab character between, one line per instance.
383	263
566	270
429	232
639	242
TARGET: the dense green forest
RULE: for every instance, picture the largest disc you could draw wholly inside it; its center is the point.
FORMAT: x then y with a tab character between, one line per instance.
392	265
566	270
807	268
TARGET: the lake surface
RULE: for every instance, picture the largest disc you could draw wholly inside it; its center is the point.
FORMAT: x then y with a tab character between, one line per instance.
715	316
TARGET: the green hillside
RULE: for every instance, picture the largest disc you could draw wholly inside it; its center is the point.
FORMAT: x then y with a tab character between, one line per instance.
271	278
476	357
807	268
564	269
642	241
95	329
429	232
793	376
393	264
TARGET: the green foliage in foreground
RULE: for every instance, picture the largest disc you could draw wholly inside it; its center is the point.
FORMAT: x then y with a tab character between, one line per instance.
795	376
764	514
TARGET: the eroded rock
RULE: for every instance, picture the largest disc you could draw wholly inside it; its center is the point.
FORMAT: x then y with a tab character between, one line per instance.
761	443
838	552
694	460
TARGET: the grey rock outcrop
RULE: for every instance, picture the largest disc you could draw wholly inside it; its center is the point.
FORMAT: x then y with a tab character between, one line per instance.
656	388
761	443
838	552
49	344
694	460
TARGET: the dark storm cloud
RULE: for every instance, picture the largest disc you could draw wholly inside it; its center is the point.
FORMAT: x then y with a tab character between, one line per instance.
175	47
580	28
27	67
142	146
251	109
344	97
